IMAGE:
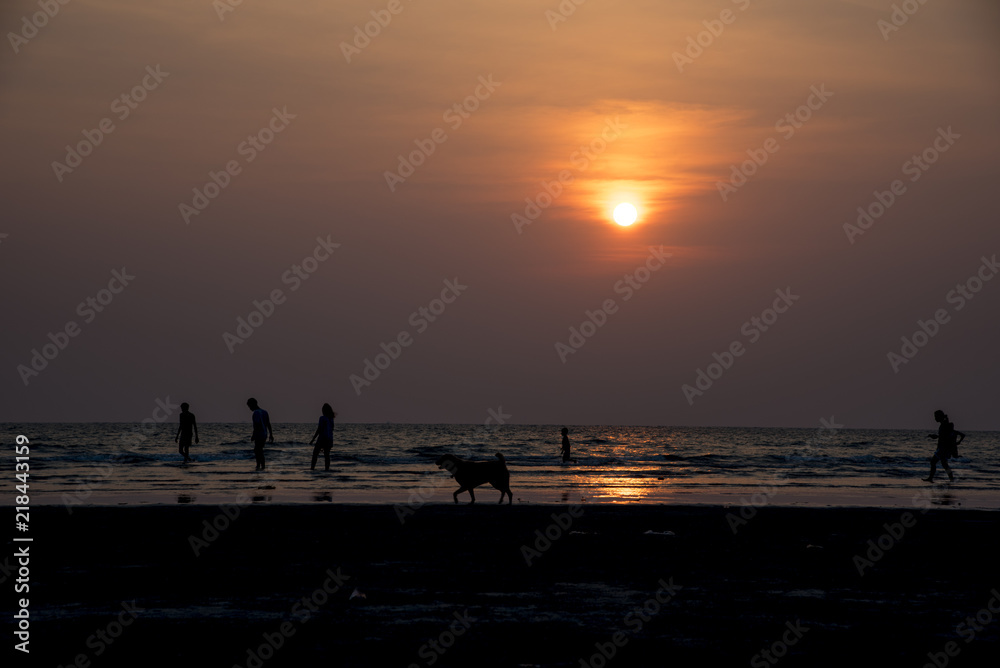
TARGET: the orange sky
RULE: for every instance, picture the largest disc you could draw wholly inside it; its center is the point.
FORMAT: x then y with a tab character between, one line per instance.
557	91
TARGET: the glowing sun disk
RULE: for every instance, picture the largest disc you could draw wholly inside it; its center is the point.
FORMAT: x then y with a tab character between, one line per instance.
625	214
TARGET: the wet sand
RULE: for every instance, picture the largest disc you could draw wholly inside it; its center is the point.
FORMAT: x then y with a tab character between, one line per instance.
786	581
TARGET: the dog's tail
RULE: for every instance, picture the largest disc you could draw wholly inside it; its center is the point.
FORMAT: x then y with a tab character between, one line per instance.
501	458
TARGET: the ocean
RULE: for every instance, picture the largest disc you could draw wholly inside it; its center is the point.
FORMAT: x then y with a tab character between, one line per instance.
111	464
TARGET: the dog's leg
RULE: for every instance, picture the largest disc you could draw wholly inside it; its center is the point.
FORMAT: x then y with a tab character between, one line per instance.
455	495
472	495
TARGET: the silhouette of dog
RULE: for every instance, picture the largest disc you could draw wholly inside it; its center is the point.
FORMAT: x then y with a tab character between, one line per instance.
469	475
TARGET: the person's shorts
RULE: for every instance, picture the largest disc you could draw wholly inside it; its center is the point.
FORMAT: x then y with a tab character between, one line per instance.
940	455
258	445
185	441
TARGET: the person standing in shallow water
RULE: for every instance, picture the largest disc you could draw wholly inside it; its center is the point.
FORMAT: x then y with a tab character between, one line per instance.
324	432
948	439
565	446
188	426
261	430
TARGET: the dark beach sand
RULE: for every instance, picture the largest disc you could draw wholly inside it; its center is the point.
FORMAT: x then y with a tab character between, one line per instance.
737	591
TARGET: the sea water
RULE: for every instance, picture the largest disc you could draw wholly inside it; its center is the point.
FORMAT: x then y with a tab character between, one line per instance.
110	463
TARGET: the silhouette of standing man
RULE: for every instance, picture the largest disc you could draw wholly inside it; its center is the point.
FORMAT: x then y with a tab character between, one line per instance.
261	431
948	439
184	431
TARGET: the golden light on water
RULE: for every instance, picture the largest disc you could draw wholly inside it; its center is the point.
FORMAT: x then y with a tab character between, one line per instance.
603	488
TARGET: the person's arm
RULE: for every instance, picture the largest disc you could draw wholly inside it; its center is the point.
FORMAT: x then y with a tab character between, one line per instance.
194	423
178	434
267	424
316	435
961	437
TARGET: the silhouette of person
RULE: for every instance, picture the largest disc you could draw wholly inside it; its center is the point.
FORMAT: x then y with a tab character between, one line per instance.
324	432
261	430
188	425
948	439
565	446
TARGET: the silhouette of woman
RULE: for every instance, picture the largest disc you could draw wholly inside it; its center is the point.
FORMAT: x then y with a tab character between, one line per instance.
324	432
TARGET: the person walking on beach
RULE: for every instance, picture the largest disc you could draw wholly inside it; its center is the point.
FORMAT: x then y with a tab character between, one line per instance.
565	446
948	439
324	432
261	431
187	426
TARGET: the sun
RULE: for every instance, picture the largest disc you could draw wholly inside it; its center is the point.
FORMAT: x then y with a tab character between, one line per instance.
625	214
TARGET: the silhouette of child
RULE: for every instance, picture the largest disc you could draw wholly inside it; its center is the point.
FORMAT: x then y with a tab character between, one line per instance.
565	446
324	432
188	426
948	439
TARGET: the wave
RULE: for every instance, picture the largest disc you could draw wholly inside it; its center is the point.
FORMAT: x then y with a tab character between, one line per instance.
390	457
